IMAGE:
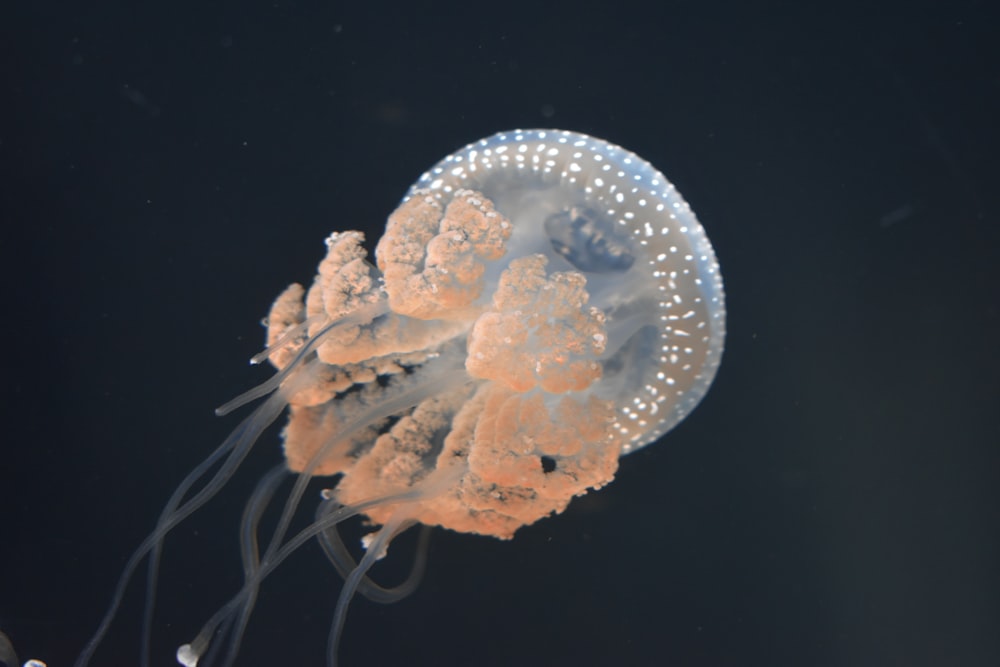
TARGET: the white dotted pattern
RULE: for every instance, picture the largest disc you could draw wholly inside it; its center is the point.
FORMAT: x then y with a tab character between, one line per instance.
674	253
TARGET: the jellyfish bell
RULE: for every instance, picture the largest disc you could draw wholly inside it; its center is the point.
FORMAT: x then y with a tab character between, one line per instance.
541	303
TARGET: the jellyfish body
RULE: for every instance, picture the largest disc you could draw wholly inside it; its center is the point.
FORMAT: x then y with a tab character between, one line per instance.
542	303
566	282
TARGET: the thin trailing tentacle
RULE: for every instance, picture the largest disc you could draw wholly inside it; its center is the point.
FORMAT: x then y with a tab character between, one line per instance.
376	550
362	316
440	482
337	553
250	552
231	453
300	330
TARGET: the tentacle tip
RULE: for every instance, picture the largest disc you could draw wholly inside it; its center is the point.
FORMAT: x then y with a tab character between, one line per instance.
187	656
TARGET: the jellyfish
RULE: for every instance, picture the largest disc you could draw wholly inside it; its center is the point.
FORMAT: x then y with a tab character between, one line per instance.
541	304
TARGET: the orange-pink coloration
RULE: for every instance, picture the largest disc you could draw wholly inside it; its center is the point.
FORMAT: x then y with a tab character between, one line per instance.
434	261
539	332
530	346
543	303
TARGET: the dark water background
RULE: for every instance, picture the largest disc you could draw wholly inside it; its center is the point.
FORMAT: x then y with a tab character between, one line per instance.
167	168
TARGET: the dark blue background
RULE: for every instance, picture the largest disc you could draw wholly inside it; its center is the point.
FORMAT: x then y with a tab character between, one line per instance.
167	168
